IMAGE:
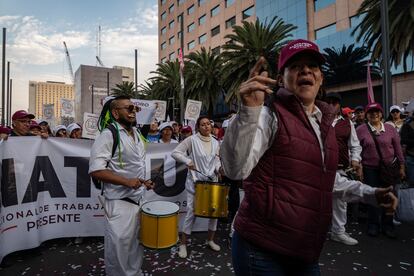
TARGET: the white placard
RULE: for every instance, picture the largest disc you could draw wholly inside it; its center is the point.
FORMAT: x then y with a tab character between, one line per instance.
160	111
146	115
67	108
49	113
192	110
90	125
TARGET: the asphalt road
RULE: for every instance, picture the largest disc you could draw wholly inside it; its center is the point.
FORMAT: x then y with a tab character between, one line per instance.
372	256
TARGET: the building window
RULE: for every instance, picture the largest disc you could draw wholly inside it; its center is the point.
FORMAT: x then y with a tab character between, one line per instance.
164	59
320	4
179	34
163	45
163	30
163	16
202	20
248	12
230	22
202	38
325	31
162	2
172	56
191	45
171	8
201	2
190	10
214	11
229	3
216	51
171	40
191	27
171	24
180	2
215	30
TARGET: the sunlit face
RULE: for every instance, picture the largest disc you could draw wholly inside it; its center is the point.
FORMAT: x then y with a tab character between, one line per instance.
176	128
61	133
36	131
166	134
374	116
204	127
154	126
125	112
76	134
395	113
303	77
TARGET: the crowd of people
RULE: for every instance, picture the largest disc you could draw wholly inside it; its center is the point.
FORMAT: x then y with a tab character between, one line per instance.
300	158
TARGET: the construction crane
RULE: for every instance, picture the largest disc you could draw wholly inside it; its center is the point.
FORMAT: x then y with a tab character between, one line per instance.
99	61
69	62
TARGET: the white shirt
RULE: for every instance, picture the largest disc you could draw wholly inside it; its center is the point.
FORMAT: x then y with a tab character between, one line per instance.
130	164
251	134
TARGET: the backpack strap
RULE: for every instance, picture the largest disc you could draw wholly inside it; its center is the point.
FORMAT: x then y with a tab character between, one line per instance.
115	144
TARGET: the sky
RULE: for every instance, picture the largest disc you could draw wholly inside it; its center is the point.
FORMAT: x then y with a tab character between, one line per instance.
36	30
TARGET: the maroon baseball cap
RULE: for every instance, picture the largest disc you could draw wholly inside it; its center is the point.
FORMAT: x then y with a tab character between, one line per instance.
373	106
34	124
4	130
186	129
296	47
20	114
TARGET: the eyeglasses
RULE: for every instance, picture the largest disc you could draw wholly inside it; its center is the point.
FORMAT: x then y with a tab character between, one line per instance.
395	111
130	108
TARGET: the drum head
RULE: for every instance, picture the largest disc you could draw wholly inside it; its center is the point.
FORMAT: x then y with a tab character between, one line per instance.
160	208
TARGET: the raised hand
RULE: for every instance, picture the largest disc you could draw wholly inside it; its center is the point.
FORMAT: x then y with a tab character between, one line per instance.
387	200
253	91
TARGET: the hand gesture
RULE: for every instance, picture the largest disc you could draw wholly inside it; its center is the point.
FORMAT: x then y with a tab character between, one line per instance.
191	166
253	91
148	184
387	199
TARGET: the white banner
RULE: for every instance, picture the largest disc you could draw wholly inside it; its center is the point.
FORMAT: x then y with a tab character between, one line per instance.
160	111
146	114
90	125
67	108
46	192
192	110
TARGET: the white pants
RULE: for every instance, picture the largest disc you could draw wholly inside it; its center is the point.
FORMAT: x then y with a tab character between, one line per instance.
123	253
189	217
338	215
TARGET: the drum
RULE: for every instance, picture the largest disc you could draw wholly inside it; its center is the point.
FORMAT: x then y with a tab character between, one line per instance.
211	199
159	224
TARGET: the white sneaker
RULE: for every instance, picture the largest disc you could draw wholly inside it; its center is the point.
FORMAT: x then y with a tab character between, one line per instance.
344	238
182	251
396	222
214	246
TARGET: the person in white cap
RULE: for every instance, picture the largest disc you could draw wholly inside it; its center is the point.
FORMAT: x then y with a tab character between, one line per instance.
166	130
394	118
74	131
59	131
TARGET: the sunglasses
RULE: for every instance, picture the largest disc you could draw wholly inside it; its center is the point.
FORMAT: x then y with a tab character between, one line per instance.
395	111
130	108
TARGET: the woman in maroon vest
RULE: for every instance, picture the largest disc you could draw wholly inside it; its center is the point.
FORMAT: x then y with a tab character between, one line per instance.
286	154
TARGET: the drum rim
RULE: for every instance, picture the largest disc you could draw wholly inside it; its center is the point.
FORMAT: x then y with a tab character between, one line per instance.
160	248
160	216
211	183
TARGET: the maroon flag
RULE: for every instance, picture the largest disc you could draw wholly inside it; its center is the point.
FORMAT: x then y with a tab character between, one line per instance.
370	91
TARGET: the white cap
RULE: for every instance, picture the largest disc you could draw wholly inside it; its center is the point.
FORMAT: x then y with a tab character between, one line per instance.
57	128
72	127
396	107
165	125
39	121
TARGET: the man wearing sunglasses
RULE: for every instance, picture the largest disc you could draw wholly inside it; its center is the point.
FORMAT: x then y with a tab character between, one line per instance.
123	176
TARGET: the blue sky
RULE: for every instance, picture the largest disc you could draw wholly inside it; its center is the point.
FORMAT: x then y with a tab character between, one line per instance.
36	30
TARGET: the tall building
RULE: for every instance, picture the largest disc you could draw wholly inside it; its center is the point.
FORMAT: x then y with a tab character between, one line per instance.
92	85
49	92
127	73
330	23
205	24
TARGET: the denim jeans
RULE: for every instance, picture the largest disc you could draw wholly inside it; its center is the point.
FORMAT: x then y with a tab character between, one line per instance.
250	260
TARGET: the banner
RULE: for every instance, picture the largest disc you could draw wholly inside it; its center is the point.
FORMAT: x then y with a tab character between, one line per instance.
192	111
67	108
146	114
90	125
160	111
46	192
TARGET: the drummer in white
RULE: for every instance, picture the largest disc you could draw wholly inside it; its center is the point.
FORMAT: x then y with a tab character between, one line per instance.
199	152
123	177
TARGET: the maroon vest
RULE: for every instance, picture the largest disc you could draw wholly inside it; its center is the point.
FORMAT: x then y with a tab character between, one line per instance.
343	132
288	196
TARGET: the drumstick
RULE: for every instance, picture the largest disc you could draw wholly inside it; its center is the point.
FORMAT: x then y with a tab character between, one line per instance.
203	174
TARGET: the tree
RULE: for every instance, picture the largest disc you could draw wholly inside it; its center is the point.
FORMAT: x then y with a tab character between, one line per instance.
166	82
125	88
401	26
246	44
347	64
203	78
